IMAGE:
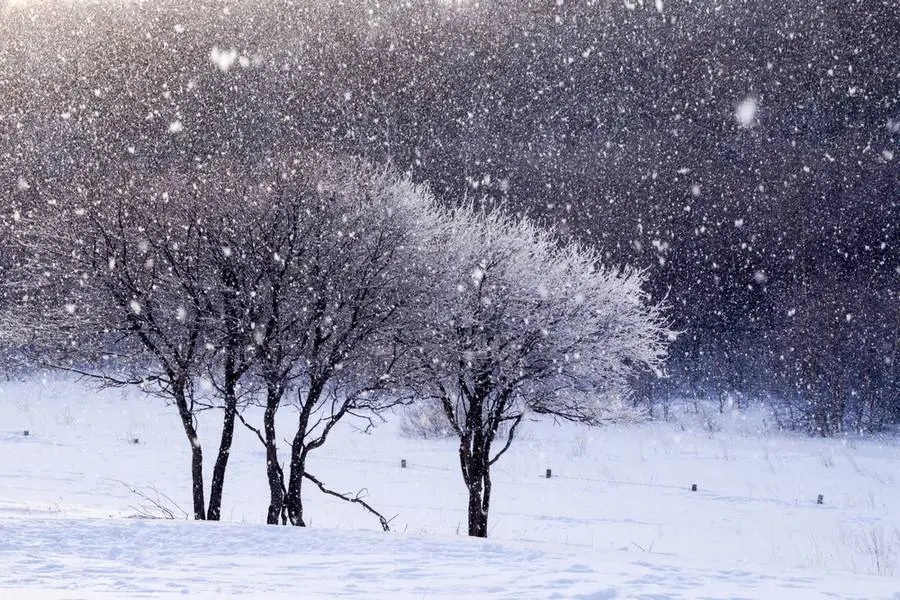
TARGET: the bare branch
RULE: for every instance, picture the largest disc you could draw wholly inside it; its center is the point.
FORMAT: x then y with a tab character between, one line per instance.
159	501
255	430
357	499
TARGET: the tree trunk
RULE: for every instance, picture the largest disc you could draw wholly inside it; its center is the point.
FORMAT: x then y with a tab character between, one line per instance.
476	473
274	472
299	452
187	421
218	479
478	516
298	467
197	479
231	374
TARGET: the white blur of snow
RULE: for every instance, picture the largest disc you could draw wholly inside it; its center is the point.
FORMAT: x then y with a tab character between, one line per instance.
223	59
745	113
616	520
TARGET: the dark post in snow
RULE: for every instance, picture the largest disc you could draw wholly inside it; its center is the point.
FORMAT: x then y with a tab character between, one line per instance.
549	473
402	463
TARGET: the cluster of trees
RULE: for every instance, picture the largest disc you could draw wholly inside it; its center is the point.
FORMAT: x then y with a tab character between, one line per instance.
615	121
327	284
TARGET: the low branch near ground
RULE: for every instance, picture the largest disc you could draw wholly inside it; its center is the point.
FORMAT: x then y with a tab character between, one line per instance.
106	379
385	524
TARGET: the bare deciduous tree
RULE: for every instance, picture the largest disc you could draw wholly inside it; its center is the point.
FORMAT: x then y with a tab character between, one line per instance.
136	291
342	272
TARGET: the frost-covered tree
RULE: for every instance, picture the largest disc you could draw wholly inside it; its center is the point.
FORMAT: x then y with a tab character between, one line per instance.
341	272
526	323
289	278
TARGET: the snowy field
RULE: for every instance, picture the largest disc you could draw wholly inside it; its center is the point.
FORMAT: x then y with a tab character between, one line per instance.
616	520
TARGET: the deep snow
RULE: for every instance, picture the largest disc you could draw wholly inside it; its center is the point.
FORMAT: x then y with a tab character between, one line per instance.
616	520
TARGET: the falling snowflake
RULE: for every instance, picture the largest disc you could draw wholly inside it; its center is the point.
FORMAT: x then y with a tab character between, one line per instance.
223	59
746	113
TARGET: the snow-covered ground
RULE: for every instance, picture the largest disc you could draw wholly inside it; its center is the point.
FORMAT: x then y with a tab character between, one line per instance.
616	520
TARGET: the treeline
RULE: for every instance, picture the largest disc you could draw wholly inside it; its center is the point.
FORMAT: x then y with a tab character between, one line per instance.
774	237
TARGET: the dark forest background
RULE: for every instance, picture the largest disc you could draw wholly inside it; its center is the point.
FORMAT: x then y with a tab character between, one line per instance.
775	240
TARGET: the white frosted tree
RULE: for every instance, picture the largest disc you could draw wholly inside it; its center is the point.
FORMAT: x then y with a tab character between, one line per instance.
525	323
348	275
20	286
290	280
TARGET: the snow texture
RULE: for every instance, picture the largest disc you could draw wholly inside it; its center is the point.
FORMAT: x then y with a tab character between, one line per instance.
616	520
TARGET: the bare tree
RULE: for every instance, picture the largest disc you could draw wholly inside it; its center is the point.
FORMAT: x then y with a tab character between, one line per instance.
234	201
135	291
331	253
528	324
362	278
297	271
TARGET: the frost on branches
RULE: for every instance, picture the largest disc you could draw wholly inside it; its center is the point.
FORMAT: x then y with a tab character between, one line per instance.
338	288
528	323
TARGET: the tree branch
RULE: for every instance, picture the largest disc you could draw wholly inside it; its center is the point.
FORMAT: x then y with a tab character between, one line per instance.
385	524
509	439
251	428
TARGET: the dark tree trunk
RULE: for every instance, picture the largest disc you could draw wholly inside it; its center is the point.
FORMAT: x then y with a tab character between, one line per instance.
218	479
298	467
187	421
474	455
478	516
479	486
274	472
299	452
231	372
197	479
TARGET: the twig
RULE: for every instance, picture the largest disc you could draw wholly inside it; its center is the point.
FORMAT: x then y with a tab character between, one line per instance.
108	380
385	524
162	503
